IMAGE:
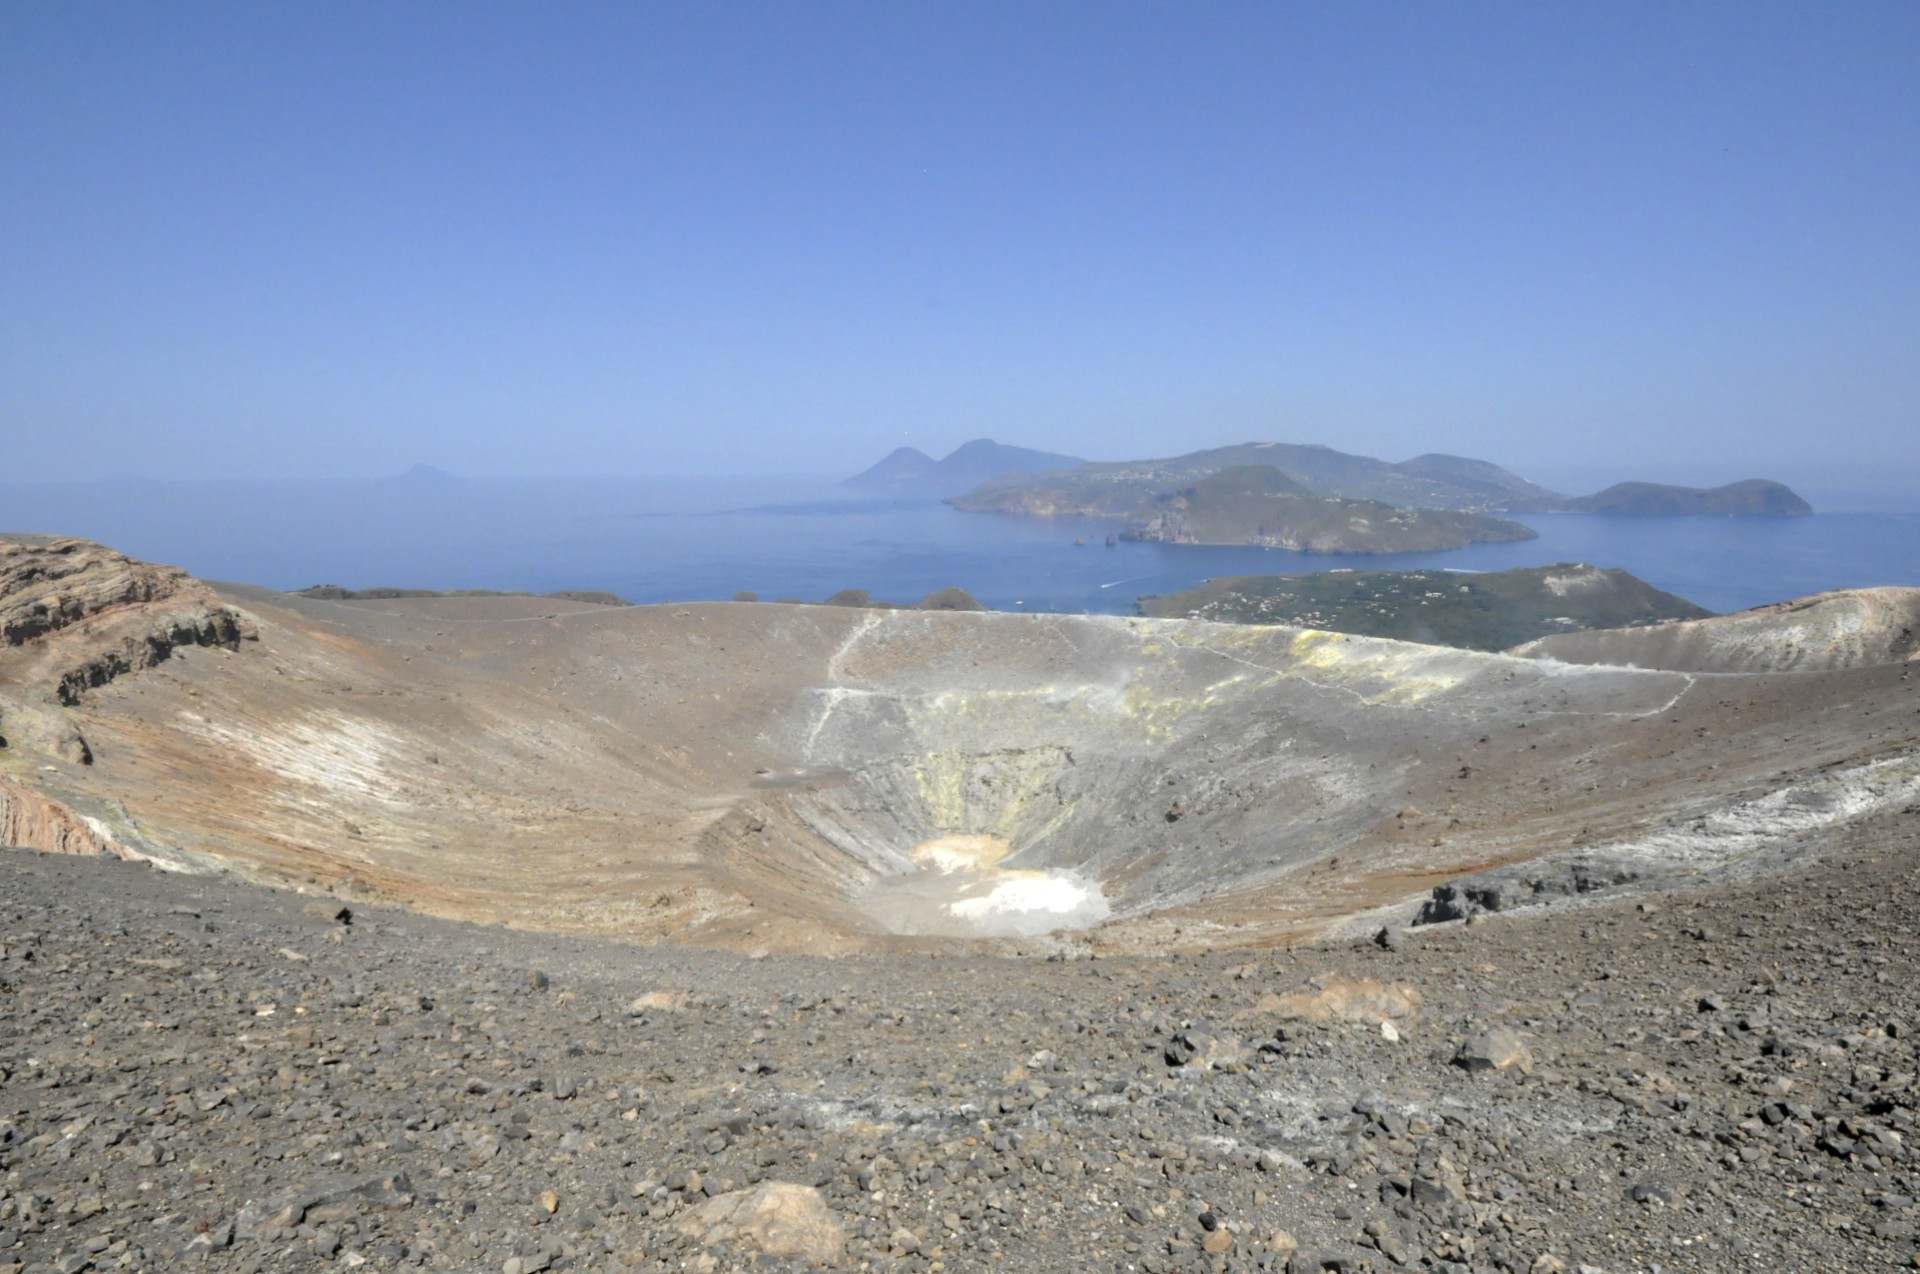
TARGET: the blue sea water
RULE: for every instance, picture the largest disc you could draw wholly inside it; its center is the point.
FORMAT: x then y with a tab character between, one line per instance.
682	540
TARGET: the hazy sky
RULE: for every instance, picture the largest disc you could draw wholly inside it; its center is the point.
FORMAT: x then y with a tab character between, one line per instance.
335	239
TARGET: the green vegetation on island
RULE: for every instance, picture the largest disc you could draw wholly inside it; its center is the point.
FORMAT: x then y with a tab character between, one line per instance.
1129	490
1488	611
949	598
1259	505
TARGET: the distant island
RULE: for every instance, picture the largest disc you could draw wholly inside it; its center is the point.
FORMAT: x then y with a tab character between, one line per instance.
1129	490
949	598
1259	505
424	473
910	472
1755	498
335	593
1488	611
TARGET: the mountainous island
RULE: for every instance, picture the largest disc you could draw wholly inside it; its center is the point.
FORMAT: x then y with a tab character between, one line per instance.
1754	498
1129	488
1133	490
909	473
1493	610
1259	505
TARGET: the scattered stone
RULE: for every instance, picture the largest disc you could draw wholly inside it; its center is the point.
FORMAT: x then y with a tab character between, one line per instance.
336	1201
963	1113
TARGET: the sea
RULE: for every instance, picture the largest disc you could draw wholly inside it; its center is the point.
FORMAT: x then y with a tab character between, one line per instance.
688	539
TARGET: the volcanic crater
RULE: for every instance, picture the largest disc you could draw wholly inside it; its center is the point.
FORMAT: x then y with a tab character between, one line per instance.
780	777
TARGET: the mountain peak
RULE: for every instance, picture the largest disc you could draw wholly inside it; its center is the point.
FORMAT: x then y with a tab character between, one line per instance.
910	471
974	446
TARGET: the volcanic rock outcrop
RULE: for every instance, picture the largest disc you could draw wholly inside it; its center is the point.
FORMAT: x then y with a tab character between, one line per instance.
73	616
112	614
1853	628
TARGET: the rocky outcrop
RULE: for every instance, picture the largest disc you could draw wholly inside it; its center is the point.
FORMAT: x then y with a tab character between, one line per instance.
219	627
1503	890
51	584
1852	628
74	615
31	821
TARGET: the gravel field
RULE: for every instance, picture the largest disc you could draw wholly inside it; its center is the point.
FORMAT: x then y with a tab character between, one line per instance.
196	1071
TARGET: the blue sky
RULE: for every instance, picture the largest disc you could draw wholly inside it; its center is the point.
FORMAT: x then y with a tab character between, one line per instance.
337	239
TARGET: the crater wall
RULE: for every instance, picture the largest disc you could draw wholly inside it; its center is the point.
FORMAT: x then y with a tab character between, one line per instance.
795	777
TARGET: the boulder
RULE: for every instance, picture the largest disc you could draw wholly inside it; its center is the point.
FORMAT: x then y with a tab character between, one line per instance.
657	1002
1203	1050
1335	998
1498	1048
779	1219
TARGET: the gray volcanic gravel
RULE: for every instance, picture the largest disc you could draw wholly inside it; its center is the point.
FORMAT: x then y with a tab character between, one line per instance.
201	1073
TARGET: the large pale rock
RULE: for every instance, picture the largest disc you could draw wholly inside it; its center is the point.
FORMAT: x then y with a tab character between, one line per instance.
1495	1049
1203	1050
777	1218
658	1002
1342	999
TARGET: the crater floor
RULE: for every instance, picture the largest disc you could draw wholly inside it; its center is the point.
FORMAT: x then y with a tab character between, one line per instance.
197	1073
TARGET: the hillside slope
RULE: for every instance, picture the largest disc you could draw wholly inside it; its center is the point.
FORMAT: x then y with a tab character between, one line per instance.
1851	628
1258	505
1477	611
1128	489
